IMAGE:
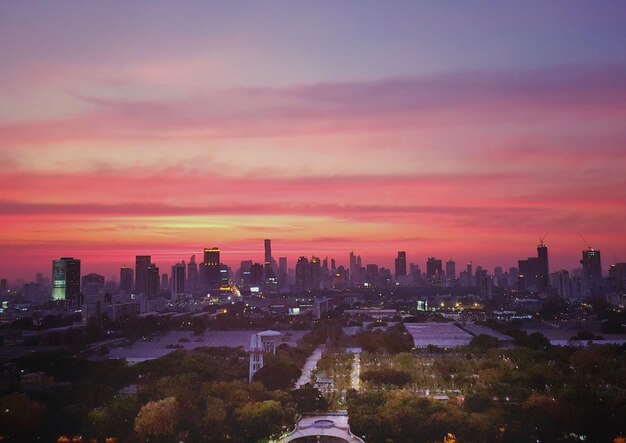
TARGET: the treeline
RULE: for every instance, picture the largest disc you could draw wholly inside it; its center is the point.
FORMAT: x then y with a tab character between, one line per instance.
557	395
199	395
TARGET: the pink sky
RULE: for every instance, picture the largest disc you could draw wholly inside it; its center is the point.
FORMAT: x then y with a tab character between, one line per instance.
110	148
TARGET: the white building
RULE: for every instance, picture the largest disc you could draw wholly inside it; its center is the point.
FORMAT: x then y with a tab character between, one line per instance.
261	344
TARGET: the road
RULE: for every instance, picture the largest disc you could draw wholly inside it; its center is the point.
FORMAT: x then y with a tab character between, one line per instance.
309	365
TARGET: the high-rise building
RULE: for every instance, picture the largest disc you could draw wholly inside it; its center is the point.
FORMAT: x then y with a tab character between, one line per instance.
4	285
533	272
592	273
192	274
66	279
316	273
433	267
152	281
617	275
178	280
371	274
401	265
212	256
268	253
303	274
142	263
245	273
165	282
450	269
561	282
256	275
126	280
353	266
92	284
543	271
211	265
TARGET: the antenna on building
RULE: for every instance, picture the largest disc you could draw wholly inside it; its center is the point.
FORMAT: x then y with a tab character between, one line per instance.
587	244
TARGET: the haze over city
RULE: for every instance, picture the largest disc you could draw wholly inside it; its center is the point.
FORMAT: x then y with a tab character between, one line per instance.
455	130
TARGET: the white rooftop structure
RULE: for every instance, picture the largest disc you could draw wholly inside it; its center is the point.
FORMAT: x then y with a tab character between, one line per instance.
332	426
443	335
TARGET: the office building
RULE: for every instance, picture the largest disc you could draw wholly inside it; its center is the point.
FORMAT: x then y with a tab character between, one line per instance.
592	273
400	265
211	265
92	284
450	269
433	267
303	274
65	279
142	263
192	274
152	281
127	280
178	280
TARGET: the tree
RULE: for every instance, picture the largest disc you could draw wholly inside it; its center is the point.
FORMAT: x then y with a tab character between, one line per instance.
20	416
386	376
483	342
158	419
258	420
115	419
309	399
214	419
277	373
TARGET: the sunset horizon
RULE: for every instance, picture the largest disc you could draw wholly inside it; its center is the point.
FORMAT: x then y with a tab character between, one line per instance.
164	129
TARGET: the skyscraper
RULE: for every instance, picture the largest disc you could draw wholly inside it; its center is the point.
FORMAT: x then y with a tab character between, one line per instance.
212	256
65	278
245	273
192	274
152	281
592	273
126	280
142	263
92	284
178	280
211	264
303	274
400	265
433	267
268	253
353	266
450	269
543	272
316	273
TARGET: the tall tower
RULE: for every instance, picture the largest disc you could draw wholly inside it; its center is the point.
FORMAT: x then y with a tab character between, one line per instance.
592	272
142	263
178	280
153	284
268	253
65	278
543	273
126	280
433	267
212	256
192	274
400	265
212	275
450	269
353	266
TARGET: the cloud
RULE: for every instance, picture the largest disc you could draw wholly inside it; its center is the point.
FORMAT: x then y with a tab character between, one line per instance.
463	98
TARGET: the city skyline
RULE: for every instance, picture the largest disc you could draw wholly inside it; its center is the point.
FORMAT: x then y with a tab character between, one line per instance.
389	262
159	129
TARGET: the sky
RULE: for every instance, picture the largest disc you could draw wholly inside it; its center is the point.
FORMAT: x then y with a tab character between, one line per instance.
463	130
